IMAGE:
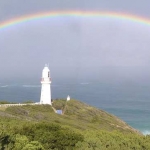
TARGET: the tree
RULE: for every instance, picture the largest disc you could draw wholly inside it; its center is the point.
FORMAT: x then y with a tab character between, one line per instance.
20	141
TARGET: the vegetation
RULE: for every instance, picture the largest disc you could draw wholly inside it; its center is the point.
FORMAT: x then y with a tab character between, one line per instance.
28	101
80	127
5	102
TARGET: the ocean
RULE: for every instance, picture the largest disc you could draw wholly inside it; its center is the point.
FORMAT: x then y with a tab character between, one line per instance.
128	101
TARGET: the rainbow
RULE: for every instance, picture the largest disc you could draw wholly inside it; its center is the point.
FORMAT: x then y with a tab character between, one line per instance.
80	14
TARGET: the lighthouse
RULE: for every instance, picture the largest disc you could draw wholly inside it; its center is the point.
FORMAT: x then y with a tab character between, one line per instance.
45	86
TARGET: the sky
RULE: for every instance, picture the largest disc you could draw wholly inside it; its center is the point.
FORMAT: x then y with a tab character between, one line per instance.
83	49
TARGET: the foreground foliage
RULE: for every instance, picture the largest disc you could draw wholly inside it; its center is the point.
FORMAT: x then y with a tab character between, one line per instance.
48	136
38	136
81	127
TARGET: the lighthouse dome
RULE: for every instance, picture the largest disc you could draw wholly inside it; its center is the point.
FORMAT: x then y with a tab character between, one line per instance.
46	72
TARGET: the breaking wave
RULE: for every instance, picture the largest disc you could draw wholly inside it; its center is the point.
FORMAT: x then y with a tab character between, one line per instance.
31	86
3	86
146	132
84	83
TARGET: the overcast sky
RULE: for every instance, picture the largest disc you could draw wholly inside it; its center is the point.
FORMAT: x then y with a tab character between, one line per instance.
80	48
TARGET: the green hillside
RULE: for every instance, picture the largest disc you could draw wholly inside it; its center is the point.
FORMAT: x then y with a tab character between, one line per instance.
76	115
83	116
79	127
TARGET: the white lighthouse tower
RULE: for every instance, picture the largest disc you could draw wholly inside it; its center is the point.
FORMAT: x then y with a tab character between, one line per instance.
46	89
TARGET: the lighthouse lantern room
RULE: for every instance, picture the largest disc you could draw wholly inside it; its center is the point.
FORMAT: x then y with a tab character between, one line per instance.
45	86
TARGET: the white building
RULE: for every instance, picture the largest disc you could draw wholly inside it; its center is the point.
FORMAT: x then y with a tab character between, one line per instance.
45	87
68	98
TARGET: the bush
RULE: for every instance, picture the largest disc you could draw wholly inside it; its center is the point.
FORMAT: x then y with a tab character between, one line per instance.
51	135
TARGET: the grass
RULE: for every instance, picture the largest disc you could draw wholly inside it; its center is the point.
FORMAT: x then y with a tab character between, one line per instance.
3	108
76	115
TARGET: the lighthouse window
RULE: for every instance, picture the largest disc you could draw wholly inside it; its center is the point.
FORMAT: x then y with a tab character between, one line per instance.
48	74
